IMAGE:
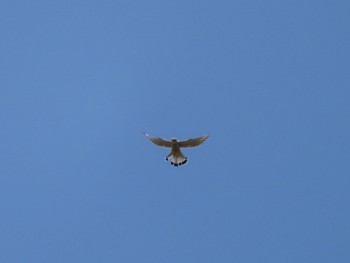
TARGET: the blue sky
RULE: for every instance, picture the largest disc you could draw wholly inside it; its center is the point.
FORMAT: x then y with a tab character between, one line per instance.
267	80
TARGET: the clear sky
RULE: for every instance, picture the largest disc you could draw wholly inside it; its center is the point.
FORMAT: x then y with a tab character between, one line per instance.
80	81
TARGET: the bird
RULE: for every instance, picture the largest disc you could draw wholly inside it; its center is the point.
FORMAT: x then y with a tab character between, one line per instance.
176	156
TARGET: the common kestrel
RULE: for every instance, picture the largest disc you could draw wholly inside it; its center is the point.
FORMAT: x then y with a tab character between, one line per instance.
176	156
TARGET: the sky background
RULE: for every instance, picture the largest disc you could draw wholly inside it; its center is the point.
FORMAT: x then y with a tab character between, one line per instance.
80	81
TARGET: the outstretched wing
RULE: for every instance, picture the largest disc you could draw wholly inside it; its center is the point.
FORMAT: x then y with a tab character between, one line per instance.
193	142
159	141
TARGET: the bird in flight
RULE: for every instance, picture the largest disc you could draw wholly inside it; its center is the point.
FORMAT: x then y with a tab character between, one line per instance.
176	156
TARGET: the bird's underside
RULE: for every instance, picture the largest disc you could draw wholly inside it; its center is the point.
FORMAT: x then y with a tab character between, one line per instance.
176	157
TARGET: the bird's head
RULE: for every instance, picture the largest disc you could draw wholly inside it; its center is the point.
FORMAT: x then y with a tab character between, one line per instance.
173	140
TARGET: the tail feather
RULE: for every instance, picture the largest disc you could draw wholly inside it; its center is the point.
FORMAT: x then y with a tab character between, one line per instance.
177	158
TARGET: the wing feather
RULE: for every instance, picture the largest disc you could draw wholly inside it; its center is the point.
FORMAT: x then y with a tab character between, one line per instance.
159	141
193	142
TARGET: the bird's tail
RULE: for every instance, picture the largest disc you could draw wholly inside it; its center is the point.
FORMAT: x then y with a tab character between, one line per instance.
177	158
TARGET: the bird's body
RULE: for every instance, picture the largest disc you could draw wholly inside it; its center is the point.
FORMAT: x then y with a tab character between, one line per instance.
176	156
